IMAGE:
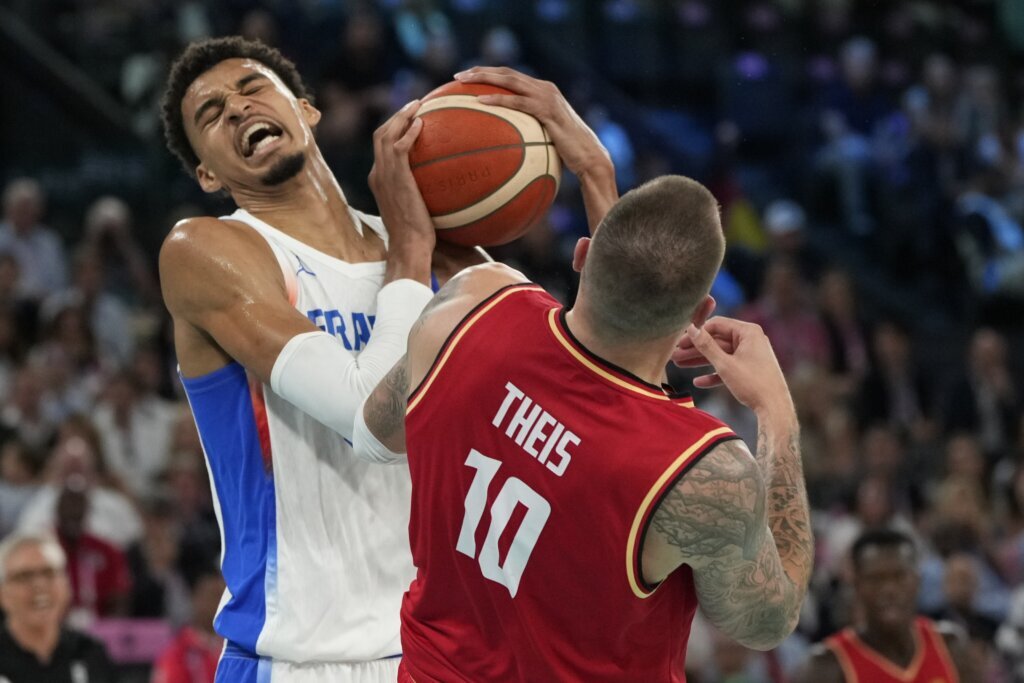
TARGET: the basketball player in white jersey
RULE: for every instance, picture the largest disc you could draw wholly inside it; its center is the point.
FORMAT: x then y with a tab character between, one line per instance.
286	315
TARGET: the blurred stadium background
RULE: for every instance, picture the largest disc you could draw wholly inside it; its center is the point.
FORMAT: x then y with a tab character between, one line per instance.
868	157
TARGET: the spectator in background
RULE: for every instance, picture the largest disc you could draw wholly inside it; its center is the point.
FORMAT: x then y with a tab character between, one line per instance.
135	428
896	392
67	358
124	270
111	515
20	470
38	249
100	581
159	589
34	594
785	312
851	112
26	410
192	657
109	320
960	584
847	337
985	401
24	311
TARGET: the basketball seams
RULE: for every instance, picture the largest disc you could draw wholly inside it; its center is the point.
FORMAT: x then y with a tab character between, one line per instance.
501	195
479	194
469	152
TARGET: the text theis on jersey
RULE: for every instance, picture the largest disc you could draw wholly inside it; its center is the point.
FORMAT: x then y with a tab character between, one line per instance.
535	430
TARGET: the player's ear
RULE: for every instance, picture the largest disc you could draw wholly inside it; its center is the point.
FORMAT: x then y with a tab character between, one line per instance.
704	310
579	254
207	180
311	113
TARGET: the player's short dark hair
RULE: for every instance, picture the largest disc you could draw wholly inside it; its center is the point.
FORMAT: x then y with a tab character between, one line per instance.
880	538
197	59
653	259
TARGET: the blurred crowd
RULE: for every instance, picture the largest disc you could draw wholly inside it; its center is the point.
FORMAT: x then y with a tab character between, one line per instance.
869	160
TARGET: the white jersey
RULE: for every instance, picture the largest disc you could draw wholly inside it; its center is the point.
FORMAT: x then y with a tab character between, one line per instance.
316	547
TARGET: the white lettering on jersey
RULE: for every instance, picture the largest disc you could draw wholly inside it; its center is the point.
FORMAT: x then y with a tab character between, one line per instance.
528	427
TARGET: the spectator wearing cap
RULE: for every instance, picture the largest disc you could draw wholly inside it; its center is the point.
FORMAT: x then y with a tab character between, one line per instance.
39	251
35	645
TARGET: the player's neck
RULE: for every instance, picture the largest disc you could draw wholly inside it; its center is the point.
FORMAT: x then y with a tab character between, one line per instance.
308	207
897	646
645	360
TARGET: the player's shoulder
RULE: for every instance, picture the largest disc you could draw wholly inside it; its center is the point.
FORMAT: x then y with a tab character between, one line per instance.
203	255
208	235
204	242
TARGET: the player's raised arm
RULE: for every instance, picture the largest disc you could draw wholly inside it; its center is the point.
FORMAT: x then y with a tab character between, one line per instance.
742	523
380	425
222	282
577	145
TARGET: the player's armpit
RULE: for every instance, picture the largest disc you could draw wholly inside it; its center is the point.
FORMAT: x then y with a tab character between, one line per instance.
222	280
715	520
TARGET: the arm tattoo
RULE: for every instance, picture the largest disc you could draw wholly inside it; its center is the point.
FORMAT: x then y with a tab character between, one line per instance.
788	513
716	518
385	411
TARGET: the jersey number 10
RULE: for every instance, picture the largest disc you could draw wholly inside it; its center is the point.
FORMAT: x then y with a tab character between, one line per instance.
514	492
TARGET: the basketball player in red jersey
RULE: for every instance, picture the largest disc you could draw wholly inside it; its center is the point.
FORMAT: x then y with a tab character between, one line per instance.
891	644
569	510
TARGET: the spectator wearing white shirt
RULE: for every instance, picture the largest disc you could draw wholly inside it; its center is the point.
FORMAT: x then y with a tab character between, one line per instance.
38	249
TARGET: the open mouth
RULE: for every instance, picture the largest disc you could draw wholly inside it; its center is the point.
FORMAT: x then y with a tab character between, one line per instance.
258	136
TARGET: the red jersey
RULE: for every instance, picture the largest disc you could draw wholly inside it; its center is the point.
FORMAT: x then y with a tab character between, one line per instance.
536	467
98	572
861	664
191	658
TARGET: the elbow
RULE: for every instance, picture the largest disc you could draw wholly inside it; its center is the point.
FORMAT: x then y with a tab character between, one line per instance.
771	626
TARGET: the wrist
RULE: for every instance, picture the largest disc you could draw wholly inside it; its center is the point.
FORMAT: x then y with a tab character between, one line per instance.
597	170
778	416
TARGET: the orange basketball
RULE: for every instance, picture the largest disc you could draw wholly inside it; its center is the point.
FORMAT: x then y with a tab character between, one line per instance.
487	174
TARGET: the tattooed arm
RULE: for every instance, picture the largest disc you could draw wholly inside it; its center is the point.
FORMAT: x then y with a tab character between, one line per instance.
741	523
382	417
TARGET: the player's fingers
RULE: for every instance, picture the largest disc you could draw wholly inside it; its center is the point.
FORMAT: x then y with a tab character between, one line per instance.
517	102
502	77
405	143
706	344
707	381
397	125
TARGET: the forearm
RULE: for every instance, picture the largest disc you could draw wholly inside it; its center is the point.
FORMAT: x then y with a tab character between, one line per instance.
778	455
597	184
317	374
409	258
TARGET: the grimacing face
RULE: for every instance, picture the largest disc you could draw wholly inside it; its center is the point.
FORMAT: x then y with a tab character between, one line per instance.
35	590
246	126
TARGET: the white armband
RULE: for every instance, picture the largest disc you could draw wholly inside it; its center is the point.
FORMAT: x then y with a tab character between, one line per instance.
368	447
322	378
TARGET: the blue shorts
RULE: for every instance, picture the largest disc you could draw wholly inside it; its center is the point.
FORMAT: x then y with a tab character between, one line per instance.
238	666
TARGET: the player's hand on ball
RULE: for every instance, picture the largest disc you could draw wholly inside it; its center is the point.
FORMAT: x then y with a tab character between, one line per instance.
576	143
391	181
742	358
